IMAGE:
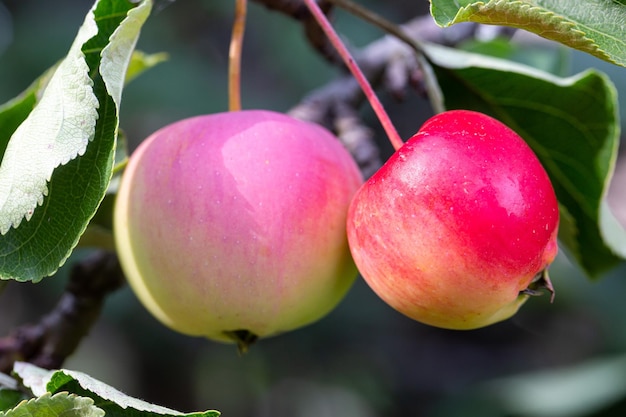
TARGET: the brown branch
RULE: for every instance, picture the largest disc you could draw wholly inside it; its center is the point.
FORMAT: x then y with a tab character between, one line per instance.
388	63
48	343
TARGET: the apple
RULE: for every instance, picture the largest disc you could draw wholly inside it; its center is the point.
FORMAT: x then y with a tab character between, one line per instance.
232	225
459	225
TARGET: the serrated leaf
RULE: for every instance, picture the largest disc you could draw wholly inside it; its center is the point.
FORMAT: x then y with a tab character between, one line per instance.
111	400
597	27
72	193
99	232
55	132
33	377
15	111
117	54
571	124
58	405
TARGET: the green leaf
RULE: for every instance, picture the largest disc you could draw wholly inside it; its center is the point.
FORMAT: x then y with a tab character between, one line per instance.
571	124
552	58
58	162
9	398
33	377
109	399
61	404
10	395
141	62
15	111
99	232
55	132
593	26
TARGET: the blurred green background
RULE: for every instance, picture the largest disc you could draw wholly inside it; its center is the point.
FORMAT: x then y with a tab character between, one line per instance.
364	359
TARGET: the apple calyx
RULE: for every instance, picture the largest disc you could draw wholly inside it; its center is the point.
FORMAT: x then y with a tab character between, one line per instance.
242	338
539	284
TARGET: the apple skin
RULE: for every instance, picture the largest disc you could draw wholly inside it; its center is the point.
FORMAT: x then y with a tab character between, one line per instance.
456	224
235	223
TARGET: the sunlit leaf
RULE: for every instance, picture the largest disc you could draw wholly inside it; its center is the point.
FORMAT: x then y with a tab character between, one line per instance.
58	405
58	162
597	27
56	131
115	403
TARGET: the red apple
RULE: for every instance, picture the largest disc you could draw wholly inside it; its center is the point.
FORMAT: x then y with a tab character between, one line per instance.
457	224
232	225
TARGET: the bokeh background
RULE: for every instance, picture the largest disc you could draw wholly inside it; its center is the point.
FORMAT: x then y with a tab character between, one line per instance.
364	359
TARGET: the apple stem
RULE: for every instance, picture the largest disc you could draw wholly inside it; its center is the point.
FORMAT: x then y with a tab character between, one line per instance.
234	56
333	37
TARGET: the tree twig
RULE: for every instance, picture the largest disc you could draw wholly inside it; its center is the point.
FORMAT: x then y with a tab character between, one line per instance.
388	63
48	343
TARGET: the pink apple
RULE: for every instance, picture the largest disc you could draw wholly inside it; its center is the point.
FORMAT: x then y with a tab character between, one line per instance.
457	224
232	225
